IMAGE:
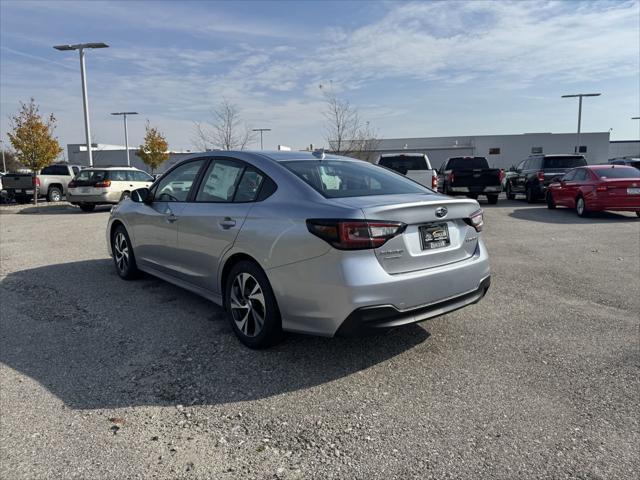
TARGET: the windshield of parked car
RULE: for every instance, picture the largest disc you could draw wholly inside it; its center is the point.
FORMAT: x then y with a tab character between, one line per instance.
339	179
564	162
404	163
617	172
470	163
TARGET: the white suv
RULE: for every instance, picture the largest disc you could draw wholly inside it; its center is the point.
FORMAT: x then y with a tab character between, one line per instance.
107	185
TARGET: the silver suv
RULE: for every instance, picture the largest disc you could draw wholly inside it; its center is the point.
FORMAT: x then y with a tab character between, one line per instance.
308	243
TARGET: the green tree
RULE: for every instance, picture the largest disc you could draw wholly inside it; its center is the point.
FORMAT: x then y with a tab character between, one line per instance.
32	138
154	151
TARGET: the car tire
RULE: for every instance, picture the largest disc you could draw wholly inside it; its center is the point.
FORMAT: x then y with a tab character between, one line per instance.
551	204
54	195
581	207
122	252
251	306
87	207
510	194
492	199
530	195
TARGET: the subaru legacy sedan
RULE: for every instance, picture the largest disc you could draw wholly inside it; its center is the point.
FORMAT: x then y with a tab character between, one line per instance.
303	242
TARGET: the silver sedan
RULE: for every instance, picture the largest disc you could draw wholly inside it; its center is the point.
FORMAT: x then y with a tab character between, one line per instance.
303	242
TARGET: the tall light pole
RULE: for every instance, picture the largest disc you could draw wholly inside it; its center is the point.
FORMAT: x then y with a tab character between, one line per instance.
4	165
126	136
85	100
261	130
580	95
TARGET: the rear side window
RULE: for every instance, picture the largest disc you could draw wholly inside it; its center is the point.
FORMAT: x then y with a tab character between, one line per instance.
249	185
617	172
564	162
404	163
339	179
138	176
581	175
570	176
118	175
467	163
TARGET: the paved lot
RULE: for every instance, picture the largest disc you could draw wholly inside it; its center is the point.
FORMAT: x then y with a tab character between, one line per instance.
102	378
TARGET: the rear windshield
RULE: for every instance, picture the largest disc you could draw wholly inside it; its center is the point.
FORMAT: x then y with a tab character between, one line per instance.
404	163
91	175
617	172
471	163
55	170
564	162
339	179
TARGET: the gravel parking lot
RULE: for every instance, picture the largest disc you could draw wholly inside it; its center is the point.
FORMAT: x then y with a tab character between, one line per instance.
102	378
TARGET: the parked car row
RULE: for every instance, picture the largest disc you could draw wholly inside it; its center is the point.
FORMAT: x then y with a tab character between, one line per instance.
85	187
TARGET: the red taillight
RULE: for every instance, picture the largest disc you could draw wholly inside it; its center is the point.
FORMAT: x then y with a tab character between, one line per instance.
103	184
434	182
476	220
72	184
354	234
501	175
450	177
36	181
540	176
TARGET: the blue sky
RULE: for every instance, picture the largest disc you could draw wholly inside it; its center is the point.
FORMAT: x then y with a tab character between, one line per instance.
413	69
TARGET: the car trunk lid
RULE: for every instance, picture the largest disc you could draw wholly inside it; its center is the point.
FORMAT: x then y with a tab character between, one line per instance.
417	248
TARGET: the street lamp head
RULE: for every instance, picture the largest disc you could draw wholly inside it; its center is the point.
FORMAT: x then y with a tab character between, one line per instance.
582	95
80	46
124	113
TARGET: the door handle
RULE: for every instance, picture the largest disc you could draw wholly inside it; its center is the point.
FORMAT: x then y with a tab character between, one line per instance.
227	222
170	218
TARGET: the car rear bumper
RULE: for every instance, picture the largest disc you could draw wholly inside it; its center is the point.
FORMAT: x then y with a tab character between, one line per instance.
371	319
107	197
493	189
319	295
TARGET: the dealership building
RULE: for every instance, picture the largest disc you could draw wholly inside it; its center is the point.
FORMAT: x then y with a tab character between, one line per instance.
502	151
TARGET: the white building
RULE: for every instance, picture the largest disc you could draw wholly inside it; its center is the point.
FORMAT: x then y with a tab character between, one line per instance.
115	155
502	151
624	148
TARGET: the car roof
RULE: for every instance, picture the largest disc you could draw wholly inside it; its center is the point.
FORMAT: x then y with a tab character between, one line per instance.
403	154
113	168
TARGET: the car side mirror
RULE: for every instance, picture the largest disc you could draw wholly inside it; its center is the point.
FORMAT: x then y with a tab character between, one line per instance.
141	195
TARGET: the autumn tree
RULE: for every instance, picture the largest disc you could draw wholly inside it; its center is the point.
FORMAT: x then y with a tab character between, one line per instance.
345	132
227	132
154	151
32	139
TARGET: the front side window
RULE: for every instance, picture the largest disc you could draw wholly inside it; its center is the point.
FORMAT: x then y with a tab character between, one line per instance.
570	176
175	186
219	183
339	179
581	175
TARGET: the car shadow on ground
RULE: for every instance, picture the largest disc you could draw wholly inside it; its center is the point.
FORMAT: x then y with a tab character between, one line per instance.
58	209
96	341
540	213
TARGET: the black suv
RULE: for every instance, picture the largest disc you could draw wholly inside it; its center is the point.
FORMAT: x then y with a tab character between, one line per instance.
533	175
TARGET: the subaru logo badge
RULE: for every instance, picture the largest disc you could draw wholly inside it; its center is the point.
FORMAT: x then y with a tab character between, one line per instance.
441	212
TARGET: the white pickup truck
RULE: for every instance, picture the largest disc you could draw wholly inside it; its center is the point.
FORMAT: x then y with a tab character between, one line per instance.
416	166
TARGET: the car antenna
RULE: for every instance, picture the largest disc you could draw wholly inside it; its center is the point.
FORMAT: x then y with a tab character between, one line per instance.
318	153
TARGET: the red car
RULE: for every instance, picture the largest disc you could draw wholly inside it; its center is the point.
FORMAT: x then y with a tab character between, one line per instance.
597	188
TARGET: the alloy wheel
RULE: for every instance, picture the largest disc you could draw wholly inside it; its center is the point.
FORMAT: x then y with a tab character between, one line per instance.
580	206
121	252
247	304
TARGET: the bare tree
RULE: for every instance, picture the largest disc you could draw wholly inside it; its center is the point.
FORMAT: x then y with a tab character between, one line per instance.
345	133
228	131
